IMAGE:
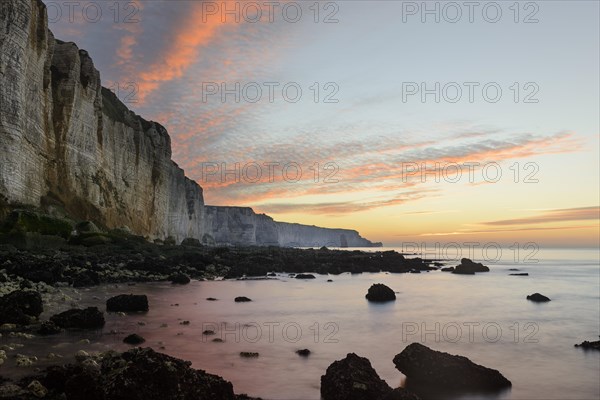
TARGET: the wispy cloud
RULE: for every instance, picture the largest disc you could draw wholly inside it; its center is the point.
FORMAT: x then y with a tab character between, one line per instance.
335	208
560	215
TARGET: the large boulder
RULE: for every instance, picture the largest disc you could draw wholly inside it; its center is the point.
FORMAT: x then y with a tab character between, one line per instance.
179	279
352	378
380	293
425	368
89	318
538	298
127	303
468	267
20	307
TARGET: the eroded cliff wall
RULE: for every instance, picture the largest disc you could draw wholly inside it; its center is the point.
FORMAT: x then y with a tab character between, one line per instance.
68	145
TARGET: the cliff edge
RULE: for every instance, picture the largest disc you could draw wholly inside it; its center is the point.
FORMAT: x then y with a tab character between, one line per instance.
68	146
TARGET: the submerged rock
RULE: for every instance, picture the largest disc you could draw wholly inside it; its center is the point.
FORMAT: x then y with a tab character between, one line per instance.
448	269
127	303
379	292
89	318
589	345
49	328
468	267
305	276
20	306
425	367
520	274
248	354
538	298
134	339
303	352
242	299
352	378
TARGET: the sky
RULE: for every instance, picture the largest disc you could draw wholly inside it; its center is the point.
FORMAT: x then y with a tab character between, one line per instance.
410	122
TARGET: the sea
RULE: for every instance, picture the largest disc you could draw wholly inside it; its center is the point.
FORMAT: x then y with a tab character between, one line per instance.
485	317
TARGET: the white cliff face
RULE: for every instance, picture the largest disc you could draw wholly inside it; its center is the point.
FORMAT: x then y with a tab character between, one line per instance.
69	145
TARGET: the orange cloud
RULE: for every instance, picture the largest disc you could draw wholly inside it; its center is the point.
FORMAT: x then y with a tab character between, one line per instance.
198	30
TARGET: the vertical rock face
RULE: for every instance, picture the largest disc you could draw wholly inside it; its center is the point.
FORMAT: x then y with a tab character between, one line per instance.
26	100
69	145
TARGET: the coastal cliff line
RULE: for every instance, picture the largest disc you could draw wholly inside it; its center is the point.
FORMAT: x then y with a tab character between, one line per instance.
70	147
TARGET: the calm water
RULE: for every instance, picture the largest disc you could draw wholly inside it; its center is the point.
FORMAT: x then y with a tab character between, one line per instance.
484	317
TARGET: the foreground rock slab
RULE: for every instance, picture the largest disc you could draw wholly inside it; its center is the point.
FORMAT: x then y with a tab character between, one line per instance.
426	367
352	378
138	374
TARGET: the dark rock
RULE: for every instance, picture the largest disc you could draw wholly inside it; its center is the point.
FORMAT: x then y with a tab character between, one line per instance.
49	328
218	340
401	394
89	318
248	354
20	306
303	352
86	278
191	242
589	345
87	227
170	241
305	276
448	269
143	374
127	303
134	339
242	299
468	267
208	332
514	269
211	299
180	279
520	274
380	293
425	367
329	280
538	298
352	378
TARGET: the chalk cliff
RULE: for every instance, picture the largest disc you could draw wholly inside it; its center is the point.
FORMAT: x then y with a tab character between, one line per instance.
68	145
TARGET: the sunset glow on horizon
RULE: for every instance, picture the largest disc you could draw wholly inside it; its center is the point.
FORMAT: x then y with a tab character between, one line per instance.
494	141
